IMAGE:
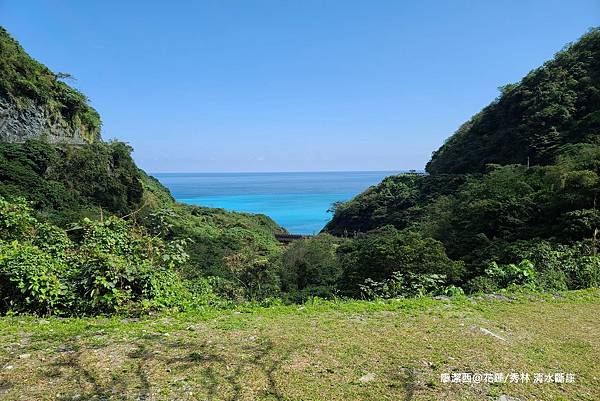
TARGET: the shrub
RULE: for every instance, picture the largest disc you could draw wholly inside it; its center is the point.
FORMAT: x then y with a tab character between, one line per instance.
407	285
15	219
562	267
204	293
32	280
500	276
482	284
512	274
110	265
120	264
310	267
301	296
454	291
379	254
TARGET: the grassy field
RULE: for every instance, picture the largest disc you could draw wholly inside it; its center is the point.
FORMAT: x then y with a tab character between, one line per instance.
395	350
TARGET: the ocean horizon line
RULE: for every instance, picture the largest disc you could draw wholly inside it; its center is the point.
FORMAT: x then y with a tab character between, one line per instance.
287	172
297	201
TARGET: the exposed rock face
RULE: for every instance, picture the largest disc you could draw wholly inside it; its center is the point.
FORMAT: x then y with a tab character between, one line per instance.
32	121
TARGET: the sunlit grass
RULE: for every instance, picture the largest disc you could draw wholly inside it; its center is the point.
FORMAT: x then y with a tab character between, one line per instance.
323	350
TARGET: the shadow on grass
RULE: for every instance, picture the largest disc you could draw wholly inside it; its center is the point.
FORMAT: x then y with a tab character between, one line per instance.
220	374
408	379
5	386
155	367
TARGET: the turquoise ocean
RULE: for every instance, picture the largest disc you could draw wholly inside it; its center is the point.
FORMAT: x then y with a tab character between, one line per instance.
297	201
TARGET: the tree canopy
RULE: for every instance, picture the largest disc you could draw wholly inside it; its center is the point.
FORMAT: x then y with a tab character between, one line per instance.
554	105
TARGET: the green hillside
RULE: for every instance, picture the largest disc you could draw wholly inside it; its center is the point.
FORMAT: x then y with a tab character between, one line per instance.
487	266
554	105
84	230
516	185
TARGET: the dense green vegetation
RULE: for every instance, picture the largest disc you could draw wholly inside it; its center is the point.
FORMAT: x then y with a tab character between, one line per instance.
171	301
66	183
397	201
512	196
24	80
103	267
70	195
233	249
112	219
84	231
554	105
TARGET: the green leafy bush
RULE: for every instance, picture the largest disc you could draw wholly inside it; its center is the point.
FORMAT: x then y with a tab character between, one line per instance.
121	264
504	276
561	267
238	248
380	254
108	266
407	284
482	284
310	267
16	221
32	280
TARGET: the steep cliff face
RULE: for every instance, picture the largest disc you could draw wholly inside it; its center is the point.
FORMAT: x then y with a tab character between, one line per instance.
36	104
35	121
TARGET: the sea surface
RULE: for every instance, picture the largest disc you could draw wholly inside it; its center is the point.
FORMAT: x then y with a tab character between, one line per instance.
296	201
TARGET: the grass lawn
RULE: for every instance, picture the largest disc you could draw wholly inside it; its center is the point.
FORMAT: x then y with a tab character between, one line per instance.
392	350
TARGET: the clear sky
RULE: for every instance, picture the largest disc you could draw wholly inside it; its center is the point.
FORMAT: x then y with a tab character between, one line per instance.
257	85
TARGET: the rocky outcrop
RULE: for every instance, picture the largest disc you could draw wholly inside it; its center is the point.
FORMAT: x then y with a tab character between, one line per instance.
19	123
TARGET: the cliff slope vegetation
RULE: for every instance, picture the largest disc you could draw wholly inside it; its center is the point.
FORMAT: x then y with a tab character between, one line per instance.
83	229
517	184
554	105
36	104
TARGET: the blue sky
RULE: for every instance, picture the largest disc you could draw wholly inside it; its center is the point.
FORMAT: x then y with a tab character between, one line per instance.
255	85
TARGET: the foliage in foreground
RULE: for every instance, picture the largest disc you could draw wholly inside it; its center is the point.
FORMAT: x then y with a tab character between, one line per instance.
101	267
67	184
114	265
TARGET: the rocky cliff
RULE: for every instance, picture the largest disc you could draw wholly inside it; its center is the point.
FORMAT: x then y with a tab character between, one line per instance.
35	103
35	121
